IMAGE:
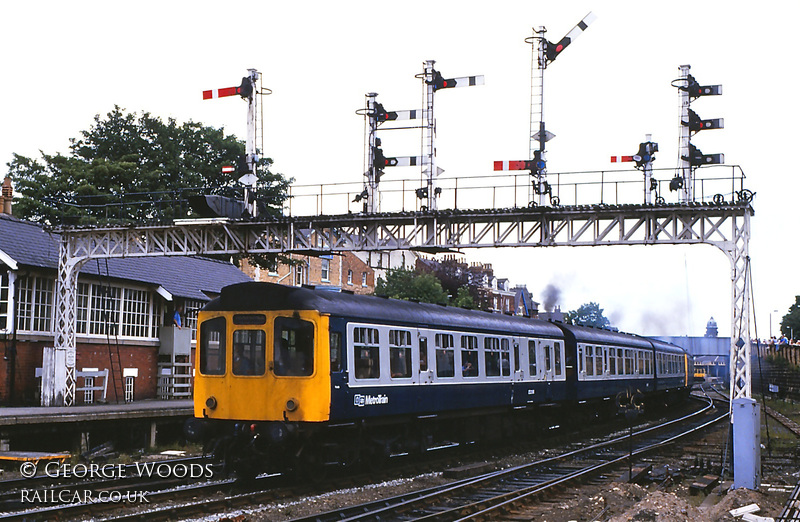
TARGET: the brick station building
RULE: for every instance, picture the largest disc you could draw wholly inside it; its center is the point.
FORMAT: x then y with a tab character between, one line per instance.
124	307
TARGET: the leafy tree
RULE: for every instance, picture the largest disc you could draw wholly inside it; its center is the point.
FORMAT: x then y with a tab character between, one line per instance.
408	284
588	314
134	168
463	298
456	278
790	324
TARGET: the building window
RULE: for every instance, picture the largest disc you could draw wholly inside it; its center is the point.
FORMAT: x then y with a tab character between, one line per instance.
191	307
299	275
325	269
129	388
35	304
135	313
4	302
104	312
363	279
349	277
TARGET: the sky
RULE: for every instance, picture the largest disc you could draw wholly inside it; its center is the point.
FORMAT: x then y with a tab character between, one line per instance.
65	62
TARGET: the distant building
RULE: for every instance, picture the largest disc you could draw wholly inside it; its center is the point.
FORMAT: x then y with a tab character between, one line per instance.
711	328
345	271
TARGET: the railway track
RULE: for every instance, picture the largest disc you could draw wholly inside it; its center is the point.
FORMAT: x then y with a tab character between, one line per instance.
169	501
506	493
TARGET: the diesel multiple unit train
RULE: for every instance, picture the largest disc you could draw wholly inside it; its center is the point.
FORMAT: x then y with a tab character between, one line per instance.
290	378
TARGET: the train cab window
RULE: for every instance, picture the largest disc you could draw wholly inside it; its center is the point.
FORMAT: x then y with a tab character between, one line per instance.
491	352
469	356
249	348
293	353
400	353
557	357
212	346
445	355
366	352
532	358
336	351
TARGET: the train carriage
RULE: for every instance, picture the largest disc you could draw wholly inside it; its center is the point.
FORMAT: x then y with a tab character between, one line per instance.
291	376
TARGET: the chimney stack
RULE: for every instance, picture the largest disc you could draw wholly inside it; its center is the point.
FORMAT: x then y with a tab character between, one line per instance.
8	195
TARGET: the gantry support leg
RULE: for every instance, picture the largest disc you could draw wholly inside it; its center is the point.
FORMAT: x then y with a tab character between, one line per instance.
58	365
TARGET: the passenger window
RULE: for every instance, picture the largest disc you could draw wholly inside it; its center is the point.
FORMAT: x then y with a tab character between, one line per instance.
293	353
249	349
423	354
491	350
445	355
548	362
589	360
336	351
400	353
598	360
557	354
469	356
366	350
212	346
532	358
504	357
612	361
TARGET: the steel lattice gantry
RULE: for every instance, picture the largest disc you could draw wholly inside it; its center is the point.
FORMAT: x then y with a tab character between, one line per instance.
725	225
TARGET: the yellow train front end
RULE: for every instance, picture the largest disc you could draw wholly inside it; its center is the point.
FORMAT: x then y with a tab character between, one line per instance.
262	383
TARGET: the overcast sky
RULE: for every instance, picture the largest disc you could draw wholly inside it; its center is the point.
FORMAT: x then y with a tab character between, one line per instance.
65	62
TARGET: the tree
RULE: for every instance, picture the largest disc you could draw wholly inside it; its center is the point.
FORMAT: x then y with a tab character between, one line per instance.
588	314
407	284
463	298
130	168
790	323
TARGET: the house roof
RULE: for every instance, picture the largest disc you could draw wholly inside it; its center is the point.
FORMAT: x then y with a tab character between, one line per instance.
27	244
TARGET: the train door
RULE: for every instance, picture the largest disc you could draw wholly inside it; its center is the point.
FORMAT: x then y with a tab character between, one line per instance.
425	368
548	367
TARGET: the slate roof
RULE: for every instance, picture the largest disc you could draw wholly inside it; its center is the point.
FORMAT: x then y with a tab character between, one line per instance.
187	277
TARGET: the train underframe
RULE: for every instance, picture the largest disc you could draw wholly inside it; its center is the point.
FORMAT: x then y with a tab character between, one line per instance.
312	450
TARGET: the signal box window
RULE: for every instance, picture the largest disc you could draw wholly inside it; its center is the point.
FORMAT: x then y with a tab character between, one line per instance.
366	347
445	355
249	352
293	354
336	351
469	356
491	349
212	346
400	353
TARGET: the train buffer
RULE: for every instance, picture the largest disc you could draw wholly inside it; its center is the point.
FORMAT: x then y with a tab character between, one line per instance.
32	456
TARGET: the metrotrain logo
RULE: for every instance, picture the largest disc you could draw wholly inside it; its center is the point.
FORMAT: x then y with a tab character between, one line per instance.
370	400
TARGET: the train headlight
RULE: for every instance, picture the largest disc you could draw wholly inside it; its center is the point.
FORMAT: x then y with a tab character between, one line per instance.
211	403
292	404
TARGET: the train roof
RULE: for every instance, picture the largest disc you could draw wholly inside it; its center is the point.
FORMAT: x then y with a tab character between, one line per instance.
270	296
587	334
666	347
